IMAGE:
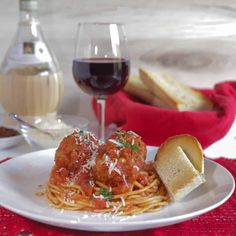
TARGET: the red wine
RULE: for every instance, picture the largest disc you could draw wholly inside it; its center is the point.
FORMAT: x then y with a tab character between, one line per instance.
101	76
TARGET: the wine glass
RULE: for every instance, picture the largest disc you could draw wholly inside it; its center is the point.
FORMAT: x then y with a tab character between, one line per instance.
101	64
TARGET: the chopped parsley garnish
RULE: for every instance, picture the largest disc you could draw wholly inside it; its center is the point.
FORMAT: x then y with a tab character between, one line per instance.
86	142
81	133
105	193
134	147
121	142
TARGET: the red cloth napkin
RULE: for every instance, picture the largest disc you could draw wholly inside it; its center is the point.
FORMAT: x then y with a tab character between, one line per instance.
155	124
221	221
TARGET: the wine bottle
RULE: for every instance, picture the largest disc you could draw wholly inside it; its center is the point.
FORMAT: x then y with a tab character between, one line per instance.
31	82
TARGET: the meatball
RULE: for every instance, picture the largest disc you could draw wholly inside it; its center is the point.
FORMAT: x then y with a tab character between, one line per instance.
75	157
119	161
76	150
132	141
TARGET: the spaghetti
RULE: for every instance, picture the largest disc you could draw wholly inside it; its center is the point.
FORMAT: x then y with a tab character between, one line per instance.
108	178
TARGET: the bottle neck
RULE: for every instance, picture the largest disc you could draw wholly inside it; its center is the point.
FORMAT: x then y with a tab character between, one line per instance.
26	16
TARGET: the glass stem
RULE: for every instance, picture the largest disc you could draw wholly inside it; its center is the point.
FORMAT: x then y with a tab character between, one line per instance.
101	101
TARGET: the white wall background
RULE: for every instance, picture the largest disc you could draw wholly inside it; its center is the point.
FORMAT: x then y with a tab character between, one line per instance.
193	40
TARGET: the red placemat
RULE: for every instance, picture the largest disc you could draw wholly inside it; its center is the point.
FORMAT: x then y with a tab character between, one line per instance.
221	221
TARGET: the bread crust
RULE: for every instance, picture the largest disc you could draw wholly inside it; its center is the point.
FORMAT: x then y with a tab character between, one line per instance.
138	89
149	80
175	94
179	163
191	147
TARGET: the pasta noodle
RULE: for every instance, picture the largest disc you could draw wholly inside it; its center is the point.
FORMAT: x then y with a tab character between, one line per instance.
138	200
120	193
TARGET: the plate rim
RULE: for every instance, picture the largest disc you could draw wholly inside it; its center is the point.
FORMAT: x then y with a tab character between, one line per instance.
65	224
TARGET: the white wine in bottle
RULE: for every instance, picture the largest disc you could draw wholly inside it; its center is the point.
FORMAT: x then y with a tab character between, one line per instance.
31	82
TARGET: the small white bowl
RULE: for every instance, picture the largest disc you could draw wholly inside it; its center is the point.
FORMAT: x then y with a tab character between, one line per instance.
59	126
7	142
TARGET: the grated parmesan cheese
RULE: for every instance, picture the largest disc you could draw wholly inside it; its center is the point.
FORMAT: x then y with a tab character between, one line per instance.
136	167
132	132
107	204
132	142
123	176
111	165
116	142
99	196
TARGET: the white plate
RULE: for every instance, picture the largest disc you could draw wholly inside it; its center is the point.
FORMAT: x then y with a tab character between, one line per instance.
20	177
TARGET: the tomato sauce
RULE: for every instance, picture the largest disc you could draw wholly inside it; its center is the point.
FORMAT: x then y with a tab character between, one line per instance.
117	163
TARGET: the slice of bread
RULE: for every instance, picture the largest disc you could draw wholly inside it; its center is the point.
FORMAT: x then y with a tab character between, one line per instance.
138	89
180	165
175	94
